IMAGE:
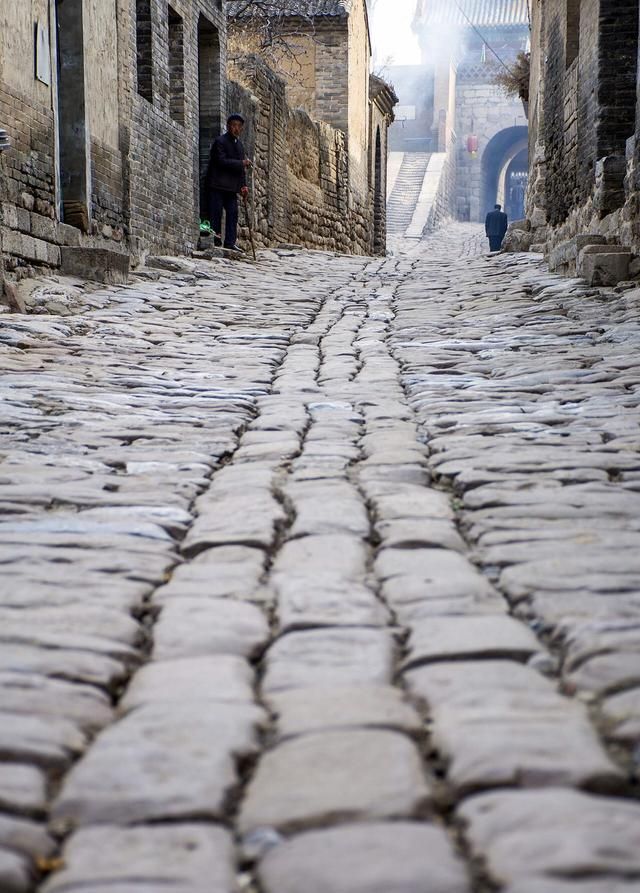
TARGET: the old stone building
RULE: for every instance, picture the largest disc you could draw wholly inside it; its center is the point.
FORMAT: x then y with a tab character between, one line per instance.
110	106
583	202
335	121
483	131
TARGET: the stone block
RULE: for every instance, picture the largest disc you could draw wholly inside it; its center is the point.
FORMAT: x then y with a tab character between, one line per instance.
53	255
604	265
99	264
9	215
24	220
361	774
41	250
371	858
144	860
43	227
538	218
67	235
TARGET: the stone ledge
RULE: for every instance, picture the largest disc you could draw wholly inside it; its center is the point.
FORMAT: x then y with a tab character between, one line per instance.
98	264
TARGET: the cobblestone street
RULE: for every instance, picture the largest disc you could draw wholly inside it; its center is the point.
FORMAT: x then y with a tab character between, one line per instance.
323	576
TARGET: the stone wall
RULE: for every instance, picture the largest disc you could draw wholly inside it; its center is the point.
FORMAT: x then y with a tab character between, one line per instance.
102	158
164	131
584	131
301	168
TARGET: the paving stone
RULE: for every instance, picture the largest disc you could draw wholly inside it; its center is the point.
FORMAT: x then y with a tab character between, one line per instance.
622	715
247	517
180	858
224	677
329	657
605	674
299	711
191	627
327	508
414	533
34	694
335	556
317	778
455	638
73	665
222	572
48	741
370	858
554	835
22	789
25	837
17	875
157	764
498	722
331	603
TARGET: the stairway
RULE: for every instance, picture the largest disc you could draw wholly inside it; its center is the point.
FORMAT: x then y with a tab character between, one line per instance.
406	191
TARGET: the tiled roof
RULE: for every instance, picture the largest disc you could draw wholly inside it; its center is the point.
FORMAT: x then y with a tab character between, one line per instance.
481	13
306	8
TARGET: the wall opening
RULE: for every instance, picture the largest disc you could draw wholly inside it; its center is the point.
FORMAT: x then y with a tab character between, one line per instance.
572	40
72	122
209	97
176	66
144	49
496	158
379	241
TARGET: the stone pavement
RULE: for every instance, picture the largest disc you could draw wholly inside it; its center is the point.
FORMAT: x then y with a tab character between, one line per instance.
321	576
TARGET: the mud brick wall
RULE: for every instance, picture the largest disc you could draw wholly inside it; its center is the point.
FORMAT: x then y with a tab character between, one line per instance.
301	168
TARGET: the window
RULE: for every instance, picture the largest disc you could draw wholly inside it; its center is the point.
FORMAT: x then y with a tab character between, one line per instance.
144	55
573	31
176	66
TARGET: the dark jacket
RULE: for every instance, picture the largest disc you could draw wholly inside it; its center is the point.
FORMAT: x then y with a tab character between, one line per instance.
496	223
226	171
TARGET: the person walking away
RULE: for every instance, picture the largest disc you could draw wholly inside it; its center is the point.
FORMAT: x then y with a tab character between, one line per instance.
495	226
226	178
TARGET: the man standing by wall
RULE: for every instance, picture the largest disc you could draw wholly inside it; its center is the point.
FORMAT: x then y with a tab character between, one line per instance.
495	226
226	178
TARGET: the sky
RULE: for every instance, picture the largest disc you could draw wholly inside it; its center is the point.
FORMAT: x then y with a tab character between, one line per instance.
392	35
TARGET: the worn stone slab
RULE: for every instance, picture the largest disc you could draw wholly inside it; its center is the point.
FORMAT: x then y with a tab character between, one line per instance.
48	741
622	716
191	627
315	779
335	556
414	533
34	694
223	572
499	723
329	657
246	517
554	835
605	673
299	711
404	501
414	575
179	858
82	627
161	764
224	677
327	508
17	874
374	857
303	604
23	789
25	836
455	638
72	665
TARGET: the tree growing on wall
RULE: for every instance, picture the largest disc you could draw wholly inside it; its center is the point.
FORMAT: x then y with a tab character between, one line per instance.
515	79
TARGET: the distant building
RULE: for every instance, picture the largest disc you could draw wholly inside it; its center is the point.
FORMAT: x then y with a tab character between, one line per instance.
483	132
109	106
326	69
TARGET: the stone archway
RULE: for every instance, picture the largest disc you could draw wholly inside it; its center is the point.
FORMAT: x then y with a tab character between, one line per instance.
497	157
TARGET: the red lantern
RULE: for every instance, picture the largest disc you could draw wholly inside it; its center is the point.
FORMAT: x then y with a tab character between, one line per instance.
472	144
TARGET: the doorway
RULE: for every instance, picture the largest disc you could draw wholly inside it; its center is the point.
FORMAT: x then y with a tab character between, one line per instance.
209	96
73	140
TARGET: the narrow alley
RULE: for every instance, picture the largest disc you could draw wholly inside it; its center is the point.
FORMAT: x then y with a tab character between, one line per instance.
322	575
